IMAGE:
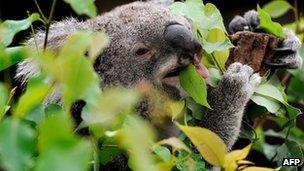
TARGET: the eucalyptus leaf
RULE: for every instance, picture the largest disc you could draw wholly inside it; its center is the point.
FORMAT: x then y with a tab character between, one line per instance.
9	28
270	91
36	92
108	154
86	7
268	25
3	100
162	152
290	149
277	8
11	56
59	148
17	145
218	46
194	85
270	104
136	137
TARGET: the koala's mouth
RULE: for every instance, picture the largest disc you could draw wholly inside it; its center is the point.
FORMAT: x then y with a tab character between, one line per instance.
172	76
170	83
170	80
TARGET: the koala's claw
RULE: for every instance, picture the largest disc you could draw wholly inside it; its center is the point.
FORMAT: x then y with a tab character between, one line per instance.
292	41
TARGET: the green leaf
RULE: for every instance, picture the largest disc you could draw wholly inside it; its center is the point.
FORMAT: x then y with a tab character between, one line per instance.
36	115
190	8
59	148
78	78
268	25
194	85
17	145
270	104
73	70
3	100
11	56
270	91
108	154
111	105
204	18
9	28
162	152
290	149
74	157
218	46
197	110
83	7
214	78
277	8
55	130
37	90
136	137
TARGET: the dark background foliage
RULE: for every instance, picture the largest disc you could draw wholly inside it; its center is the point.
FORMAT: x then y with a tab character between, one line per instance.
17	9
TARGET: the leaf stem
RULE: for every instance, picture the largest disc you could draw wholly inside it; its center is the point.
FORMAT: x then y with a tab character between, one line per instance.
48	23
95	155
40	11
217	64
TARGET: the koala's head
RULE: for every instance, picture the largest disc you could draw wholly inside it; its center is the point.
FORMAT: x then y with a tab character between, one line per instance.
147	42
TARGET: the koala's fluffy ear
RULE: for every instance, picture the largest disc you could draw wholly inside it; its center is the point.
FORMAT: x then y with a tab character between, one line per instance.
164	3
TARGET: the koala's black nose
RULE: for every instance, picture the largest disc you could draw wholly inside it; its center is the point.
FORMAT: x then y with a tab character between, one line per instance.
181	38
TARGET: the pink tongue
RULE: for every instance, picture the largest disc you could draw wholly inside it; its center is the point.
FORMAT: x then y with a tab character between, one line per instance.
200	68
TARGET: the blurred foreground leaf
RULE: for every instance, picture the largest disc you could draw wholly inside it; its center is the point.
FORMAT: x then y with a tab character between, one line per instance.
136	137
3	100
11	56
17	145
36	91
59	148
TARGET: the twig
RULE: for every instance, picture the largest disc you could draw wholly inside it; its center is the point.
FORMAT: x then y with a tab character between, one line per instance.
48	23
40	11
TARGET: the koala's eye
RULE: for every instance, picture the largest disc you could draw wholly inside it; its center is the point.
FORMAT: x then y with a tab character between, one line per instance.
141	49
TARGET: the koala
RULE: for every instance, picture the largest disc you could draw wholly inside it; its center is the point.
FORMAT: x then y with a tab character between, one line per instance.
149	43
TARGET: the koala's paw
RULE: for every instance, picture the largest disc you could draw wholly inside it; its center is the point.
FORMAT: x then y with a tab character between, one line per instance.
240	80
252	18
237	24
250	21
288	56
292	41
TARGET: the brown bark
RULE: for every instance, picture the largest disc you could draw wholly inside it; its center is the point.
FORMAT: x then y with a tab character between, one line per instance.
253	49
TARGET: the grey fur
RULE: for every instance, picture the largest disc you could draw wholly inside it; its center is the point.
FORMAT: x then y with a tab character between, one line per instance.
143	24
228	102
